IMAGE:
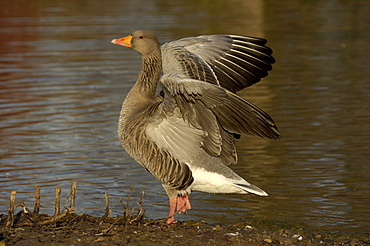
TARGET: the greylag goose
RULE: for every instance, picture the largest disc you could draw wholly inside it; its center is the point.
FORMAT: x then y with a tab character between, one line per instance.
185	135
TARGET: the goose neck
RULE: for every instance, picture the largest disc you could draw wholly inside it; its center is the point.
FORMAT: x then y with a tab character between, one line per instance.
150	72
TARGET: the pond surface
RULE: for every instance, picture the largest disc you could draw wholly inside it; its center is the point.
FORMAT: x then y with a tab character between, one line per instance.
62	84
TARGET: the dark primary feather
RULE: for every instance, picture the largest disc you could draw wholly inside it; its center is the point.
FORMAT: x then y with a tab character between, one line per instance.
231	61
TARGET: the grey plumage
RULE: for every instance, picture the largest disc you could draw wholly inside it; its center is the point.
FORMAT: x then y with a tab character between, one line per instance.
185	136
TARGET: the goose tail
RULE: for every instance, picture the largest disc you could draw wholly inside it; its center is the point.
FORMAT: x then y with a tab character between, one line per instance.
252	189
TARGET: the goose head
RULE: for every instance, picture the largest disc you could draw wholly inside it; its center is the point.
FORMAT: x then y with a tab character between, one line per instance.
142	41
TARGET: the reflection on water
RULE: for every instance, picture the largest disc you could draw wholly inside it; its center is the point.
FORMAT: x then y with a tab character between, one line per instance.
62	84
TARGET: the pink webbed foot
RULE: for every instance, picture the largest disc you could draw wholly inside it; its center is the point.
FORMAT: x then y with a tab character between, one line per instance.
178	205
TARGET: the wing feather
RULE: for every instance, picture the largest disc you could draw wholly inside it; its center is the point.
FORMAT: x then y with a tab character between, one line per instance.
216	113
231	61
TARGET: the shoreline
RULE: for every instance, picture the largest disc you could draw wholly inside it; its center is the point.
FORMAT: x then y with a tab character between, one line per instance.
69	228
66	227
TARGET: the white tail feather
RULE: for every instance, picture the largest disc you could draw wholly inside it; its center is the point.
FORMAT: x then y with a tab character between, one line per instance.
252	189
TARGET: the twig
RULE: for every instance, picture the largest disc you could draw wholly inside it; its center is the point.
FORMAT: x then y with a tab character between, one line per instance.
57	201
10	220
108	212
54	218
73	194
126	214
105	232
140	212
36	209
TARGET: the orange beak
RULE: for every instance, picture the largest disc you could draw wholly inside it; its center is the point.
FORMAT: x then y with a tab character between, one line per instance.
125	41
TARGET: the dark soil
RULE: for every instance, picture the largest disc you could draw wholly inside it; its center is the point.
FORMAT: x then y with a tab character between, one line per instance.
72	229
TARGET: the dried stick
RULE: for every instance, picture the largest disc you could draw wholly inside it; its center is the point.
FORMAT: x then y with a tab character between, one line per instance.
126	213
105	232
10	220
53	219
73	195
57	201
140	212
108	212
127	216
36	209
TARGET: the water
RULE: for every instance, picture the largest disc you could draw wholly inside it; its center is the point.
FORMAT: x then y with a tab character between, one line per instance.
62	84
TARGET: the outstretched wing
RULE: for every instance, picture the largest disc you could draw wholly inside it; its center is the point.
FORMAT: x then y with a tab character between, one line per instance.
231	61
196	115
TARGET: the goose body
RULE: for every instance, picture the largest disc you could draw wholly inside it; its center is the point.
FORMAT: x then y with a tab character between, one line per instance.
185	135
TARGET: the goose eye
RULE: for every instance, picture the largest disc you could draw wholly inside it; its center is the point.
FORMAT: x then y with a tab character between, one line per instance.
141	37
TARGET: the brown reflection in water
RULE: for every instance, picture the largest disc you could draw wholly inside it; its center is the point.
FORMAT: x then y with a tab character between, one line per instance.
215	17
16	33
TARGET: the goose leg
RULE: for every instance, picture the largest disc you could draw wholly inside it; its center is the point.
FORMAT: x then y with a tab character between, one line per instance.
177	205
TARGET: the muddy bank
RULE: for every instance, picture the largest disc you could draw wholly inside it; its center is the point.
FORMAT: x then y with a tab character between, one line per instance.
66	227
72	229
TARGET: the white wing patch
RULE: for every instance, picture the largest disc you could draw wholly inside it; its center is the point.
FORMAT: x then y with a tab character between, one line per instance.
177	136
